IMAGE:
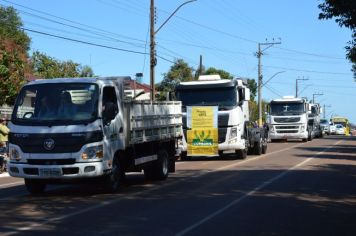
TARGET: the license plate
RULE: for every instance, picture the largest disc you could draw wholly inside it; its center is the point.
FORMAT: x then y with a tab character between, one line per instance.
50	172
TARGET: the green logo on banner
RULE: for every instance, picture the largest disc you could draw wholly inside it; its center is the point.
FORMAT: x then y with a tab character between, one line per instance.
202	139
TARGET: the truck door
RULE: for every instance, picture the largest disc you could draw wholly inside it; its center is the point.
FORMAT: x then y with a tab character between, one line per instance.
112	126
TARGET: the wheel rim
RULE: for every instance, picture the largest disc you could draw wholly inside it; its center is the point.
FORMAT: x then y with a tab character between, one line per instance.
165	164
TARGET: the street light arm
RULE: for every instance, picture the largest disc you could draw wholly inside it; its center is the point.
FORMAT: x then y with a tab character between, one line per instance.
173	15
280	72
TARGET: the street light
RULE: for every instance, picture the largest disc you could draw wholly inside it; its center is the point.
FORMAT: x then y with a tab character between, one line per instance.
316	94
296	86
153	60
280	72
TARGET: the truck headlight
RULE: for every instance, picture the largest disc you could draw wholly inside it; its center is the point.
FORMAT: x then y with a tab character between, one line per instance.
302	127
233	133
93	153
14	155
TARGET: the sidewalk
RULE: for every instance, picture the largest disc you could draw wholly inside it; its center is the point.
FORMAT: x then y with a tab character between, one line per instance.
4	174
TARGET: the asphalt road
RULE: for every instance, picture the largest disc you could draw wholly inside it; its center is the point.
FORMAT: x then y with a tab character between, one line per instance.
295	189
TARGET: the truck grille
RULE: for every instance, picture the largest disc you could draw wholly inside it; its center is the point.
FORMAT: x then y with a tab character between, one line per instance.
287	131
287	127
69	161
286	119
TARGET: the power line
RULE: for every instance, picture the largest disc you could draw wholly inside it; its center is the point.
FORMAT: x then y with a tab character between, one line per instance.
74	22
310	54
81	41
310	71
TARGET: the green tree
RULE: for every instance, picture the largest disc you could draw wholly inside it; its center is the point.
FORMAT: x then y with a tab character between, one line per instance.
345	13
180	71
223	74
253	109
252	85
14	44
48	67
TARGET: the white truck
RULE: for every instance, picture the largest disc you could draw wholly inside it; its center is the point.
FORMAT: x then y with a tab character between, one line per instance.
231	96
288	119
314	121
64	130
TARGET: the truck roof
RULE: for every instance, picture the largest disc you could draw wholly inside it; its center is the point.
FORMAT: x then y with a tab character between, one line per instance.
78	80
289	99
207	84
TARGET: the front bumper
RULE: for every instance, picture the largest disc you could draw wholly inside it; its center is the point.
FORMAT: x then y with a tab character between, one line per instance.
73	171
299	135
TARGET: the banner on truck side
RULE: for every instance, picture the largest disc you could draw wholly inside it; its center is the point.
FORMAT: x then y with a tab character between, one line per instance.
202	142
202	138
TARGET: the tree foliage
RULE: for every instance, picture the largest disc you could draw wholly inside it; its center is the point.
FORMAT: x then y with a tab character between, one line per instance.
180	71
48	67
14	44
223	74
344	12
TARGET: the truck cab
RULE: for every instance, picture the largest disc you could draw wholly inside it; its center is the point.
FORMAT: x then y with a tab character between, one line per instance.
288	119
70	129
231	97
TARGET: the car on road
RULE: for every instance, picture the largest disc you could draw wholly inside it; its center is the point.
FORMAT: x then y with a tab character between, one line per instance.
340	130
325	126
332	128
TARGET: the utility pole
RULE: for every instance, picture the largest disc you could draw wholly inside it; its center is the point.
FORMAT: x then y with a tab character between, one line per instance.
200	65
260	82
296	86
316	94
324	110
153	59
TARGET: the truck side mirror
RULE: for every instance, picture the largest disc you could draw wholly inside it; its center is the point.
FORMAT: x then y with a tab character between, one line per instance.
110	110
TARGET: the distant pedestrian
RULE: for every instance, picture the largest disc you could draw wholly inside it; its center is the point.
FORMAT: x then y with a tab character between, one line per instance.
4	132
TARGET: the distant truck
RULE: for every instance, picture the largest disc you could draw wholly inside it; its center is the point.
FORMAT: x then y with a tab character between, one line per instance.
235	133
288	119
64	130
342	121
314	121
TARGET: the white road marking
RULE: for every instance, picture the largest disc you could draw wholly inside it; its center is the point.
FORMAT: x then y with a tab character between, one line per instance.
110	202
238	200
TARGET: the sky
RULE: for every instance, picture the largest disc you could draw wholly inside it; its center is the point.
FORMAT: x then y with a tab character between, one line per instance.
225	32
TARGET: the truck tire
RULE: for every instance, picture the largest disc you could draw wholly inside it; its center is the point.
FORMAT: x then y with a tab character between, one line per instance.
310	138
115	178
160	168
258	147
264	148
241	154
35	186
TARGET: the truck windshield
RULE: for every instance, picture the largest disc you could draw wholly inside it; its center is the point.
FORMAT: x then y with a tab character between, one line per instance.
56	104
222	97
287	108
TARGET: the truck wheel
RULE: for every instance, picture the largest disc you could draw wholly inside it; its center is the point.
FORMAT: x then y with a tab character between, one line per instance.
258	147
162	165
304	140
264	148
159	169
35	186
310	138
114	179
241	154
184	157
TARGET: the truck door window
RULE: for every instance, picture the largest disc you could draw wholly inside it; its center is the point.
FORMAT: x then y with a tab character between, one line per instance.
109	99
